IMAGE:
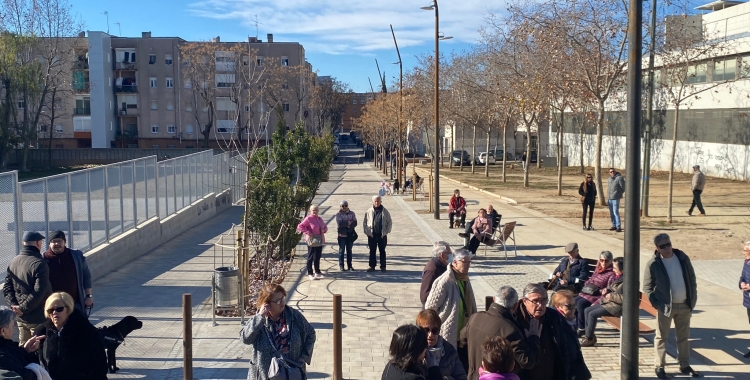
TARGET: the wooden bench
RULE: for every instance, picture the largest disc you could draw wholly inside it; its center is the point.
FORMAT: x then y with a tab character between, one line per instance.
646	306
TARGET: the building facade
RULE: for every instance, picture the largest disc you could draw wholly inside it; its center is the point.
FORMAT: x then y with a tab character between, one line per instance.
356	104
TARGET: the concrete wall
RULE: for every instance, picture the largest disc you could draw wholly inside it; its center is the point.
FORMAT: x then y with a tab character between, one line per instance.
102	96
135	243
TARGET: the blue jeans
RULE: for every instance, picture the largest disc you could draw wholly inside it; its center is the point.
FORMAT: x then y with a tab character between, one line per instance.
345	245
614	212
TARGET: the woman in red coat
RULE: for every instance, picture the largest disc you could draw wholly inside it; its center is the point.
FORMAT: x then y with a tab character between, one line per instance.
457	206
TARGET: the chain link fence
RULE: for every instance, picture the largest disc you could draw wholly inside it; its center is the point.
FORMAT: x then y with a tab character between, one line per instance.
95	205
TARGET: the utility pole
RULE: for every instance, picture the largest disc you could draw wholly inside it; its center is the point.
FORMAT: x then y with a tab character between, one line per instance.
400	156
649	114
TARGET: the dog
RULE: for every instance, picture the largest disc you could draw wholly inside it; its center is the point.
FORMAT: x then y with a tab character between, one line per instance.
457	223
114	335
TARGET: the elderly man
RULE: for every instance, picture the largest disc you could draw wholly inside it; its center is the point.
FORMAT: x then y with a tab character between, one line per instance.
498	321
434	268
560	354
452	296
669	283
696	186
377	226
615	190
68	271
573	270
27	285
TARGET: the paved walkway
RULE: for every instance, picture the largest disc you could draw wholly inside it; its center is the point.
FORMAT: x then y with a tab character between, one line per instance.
375	303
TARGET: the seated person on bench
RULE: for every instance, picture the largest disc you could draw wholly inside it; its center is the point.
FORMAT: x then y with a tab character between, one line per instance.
572	272
493	216
564	301
609	306
482	232
457	208
410	182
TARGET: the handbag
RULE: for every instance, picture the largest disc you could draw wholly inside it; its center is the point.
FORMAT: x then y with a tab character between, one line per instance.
353	236
591	289
280	369
315	240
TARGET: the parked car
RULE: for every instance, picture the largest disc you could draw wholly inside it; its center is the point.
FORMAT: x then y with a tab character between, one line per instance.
498	153
461	157
482	156
533	158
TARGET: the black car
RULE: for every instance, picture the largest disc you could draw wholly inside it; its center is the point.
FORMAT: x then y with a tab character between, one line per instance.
460	156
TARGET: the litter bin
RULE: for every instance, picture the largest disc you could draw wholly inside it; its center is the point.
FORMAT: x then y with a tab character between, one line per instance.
227	282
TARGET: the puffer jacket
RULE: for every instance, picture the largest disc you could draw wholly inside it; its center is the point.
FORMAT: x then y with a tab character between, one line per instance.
27	284
602	280
656	284
615	186
450	365
614	291
745	277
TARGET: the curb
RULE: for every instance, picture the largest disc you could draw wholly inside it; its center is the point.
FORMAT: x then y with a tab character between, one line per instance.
507	200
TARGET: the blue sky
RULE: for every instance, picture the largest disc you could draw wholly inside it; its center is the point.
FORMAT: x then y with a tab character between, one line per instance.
342	38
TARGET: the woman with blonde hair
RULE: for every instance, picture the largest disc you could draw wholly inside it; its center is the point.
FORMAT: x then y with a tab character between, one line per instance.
314	228
587	191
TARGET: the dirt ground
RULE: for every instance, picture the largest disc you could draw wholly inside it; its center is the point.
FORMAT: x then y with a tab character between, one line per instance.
719	235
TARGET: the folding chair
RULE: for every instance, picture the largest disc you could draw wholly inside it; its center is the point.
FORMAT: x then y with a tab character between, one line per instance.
420	186
505	233
495	231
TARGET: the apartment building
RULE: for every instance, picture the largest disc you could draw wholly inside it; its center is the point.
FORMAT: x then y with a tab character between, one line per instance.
133	93
356	104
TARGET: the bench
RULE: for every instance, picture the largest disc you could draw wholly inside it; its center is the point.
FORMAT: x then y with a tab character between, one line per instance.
646	306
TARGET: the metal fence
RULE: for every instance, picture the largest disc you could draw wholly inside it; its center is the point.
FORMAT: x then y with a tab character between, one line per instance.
95	205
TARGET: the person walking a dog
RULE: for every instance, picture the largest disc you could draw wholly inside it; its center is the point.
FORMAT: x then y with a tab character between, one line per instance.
68	271
457	207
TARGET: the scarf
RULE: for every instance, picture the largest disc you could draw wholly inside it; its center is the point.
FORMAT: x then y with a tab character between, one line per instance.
466	302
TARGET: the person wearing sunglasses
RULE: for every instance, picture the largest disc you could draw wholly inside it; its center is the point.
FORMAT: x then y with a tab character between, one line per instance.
346	221
669	283
277	331
587	191
71	348
609	306
594	288
444	352
615	191
564	302
409	358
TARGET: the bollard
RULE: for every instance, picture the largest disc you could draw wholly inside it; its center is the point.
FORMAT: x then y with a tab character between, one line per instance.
187	336
488	302
337	365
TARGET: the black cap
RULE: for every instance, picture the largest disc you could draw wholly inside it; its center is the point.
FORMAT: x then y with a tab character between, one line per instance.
32	236
57	235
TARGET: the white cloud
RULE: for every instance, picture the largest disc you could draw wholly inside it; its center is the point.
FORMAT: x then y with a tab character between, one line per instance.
338	26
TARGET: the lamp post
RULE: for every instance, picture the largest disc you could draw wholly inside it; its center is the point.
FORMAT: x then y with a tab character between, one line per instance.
400	155
438	156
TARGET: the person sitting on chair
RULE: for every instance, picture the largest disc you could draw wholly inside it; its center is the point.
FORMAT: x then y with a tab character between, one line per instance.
457	207
493	216
572	272
482	229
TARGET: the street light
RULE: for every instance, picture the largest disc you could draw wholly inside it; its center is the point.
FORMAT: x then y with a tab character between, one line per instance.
438	156
400	153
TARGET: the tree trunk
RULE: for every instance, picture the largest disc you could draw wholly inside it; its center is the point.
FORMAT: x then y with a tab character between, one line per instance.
487	156
559	152
453	145
461	160
580	141
538	148
473	149
51	125
528	156
505	145
598	159
671	163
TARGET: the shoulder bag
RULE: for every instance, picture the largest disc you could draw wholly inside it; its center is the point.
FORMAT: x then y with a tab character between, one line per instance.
315	240
280	369
591	289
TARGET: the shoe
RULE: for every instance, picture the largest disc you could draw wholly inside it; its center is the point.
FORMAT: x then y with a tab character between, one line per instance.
660	373
463	226
383	270
463	234
451	226
341	268
747	355
701	214
350	268
586	342
591	228
311	277
371	269
584	228
581	333
689	213
318	276
689	371
613	229
619	230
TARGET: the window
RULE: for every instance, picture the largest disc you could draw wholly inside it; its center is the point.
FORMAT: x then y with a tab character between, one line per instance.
82	124
154	128
247	107
285	86
188	83
355	101
362	101
126	56
284	61
170	146
42	128
170	105
355	109
225	104
170	83
152	82
188	129
151	59
262	107
155	146
59	128
260	60
189	109
286	107
21	104
224	80
225	126
168	59
697	73
262	130
245	60
154	105
725	70
745	67
170	128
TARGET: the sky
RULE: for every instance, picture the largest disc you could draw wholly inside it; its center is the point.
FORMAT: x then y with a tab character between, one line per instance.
341	38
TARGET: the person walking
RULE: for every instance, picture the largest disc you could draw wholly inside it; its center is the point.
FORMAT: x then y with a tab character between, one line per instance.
669	283
745	283
314	229
615	190
587	190
523	160
346	220
68	272
498	320
457	207
696	186
377	226
438	264
27	286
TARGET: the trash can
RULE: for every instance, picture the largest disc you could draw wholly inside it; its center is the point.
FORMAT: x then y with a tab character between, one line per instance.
227	282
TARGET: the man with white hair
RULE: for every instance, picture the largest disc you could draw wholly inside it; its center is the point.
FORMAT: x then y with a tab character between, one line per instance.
696	186
437	265
498	321
377	226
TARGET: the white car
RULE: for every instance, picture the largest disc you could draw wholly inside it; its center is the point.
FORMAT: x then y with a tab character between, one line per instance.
482	156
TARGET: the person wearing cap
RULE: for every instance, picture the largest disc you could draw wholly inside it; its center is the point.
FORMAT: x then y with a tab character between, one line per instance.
345	221
27	285
453	298
573	270
669	283
68	271
696	186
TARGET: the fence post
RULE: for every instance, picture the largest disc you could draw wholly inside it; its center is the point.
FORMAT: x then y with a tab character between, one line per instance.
19	211
71	240
134	170
337	359
106	202
88	207
174	183
187	336
488	302
46	207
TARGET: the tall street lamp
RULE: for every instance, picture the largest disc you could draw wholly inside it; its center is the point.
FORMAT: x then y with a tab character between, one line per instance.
400	156
437	155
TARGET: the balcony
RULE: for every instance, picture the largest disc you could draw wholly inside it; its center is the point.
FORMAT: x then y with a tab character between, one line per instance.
125	66
82	111
81	65
81	88
128	88
130	111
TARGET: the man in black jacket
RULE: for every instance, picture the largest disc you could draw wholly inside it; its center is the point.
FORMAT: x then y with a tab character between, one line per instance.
437	265
499	321
573	270
560	356
27	285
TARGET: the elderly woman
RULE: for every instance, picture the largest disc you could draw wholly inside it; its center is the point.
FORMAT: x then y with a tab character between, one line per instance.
314	229
443	352
346	221
408	355
277	331
13	358
457	207
745	282
594	288
452	296
72	348
609	306
564	302
482	231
